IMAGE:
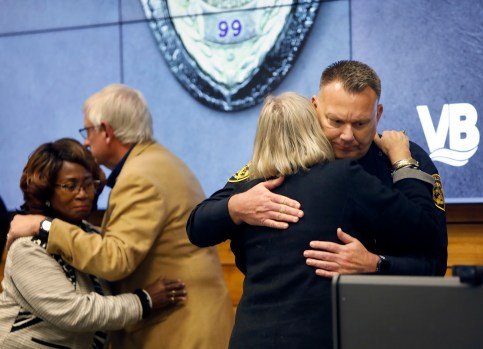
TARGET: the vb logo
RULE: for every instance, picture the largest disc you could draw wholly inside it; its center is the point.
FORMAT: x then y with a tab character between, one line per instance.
459	120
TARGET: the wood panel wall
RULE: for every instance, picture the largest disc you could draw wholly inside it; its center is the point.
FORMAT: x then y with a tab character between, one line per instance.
465	246
465	235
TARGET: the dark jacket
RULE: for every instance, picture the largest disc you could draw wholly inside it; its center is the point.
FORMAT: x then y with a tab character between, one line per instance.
428	261
210	222
284	304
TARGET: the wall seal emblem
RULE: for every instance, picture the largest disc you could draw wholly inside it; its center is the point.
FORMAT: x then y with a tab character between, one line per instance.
230	54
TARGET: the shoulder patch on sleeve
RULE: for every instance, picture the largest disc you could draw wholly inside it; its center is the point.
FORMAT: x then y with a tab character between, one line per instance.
241	175
438	195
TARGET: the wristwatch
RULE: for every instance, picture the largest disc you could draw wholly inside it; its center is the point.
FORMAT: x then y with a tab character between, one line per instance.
45	229
382	265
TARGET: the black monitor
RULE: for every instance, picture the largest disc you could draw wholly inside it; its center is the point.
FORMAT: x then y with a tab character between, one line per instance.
406	312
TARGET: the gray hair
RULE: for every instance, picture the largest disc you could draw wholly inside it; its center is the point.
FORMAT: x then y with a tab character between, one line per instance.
126	111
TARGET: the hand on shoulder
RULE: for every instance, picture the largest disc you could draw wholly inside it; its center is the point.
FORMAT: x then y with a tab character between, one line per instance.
259	206
395	144
23	225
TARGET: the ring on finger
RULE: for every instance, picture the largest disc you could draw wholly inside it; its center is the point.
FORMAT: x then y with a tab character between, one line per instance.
172	299
173	292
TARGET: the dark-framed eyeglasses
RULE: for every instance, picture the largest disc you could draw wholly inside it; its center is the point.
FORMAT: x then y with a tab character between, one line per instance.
84	131
89	186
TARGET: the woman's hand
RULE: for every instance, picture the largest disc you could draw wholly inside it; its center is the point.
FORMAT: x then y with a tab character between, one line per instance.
395	144
166	292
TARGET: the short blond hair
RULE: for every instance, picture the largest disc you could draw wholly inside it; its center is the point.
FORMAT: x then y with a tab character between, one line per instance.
288	138
125	109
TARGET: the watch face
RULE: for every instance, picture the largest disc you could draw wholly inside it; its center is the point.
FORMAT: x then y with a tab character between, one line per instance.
46	225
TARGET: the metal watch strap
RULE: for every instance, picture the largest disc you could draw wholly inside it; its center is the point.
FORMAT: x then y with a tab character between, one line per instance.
405	163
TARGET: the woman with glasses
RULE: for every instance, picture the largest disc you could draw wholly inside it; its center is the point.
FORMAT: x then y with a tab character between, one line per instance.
46	302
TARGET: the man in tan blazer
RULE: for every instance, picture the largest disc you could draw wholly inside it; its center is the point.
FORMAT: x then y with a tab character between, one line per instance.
144	236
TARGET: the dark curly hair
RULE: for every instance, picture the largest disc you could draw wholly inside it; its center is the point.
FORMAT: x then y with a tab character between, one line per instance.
40	174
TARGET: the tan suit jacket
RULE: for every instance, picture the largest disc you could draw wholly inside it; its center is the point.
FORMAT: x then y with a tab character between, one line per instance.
144	237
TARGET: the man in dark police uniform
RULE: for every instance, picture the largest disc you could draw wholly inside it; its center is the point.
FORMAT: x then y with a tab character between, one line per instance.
349	110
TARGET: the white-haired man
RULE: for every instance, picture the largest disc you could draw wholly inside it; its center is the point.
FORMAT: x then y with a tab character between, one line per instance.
143	230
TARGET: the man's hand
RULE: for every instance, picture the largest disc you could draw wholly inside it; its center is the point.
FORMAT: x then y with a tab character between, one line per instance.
23	225
259	206
331	258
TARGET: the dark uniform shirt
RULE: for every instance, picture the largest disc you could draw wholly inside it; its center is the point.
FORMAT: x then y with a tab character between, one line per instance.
111	180
420	261
284	303
210	222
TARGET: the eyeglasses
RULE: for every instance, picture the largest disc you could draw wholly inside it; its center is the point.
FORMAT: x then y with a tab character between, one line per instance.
89	186
84	131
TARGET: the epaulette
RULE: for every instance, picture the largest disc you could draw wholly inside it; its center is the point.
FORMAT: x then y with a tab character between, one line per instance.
438	195
242	175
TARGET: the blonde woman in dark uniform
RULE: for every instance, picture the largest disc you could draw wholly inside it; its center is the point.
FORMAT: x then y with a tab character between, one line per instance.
284	303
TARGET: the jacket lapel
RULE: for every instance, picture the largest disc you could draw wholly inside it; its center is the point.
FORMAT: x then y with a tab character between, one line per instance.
138	149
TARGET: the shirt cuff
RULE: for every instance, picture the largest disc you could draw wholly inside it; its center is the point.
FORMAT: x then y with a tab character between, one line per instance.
146	302
412	173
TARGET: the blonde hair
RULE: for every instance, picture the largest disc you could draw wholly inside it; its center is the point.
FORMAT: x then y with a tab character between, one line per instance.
288	138
125	109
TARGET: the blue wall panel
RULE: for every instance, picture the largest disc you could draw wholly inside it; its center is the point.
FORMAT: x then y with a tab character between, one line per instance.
426	52
44	80
31	15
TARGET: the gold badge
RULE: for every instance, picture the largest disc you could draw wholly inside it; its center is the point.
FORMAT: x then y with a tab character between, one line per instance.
241	175
438	195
